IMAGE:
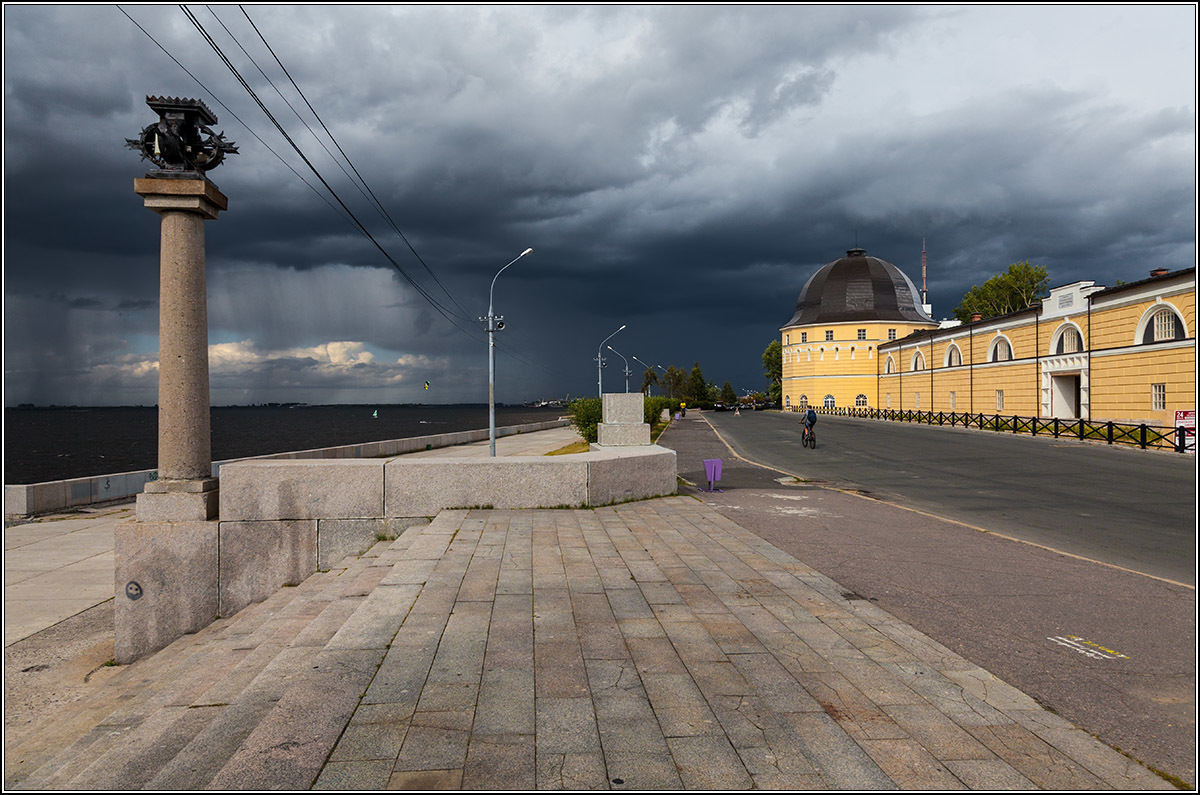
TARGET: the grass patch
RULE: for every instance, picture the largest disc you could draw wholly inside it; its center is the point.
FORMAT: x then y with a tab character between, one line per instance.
571	449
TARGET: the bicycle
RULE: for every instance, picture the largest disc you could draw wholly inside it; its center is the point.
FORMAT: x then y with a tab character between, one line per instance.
809	438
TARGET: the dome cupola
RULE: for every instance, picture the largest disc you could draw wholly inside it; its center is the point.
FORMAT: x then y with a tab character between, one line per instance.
858	287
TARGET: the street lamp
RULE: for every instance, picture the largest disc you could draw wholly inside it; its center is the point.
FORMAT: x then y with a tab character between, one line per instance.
627	373
600	362
494	324
643	364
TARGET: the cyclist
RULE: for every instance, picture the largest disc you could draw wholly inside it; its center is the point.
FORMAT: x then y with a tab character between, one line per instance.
810	419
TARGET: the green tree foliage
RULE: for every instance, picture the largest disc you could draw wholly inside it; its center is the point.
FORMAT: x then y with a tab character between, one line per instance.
649	379
674	382
586	413
1015	289
697	387
772	362
728	396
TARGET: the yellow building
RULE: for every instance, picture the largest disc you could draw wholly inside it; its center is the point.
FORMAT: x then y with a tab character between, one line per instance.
844	313
1125	353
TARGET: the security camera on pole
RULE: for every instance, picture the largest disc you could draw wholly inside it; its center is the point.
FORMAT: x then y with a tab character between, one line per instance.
494	323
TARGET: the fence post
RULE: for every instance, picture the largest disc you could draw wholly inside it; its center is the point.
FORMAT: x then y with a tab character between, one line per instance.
1110	431
1180	439
1142	431
1056	427
1033	426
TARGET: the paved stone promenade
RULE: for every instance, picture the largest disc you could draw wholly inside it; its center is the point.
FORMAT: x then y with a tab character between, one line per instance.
650	645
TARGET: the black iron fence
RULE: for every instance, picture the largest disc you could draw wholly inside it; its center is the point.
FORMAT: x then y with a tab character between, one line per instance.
1155	437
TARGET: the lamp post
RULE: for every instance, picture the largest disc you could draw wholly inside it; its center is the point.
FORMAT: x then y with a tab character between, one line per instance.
494	324
627	373
600	363
643	364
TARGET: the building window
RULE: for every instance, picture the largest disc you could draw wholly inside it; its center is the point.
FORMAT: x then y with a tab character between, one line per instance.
952	402
890	367
862	333
804	336
822	354
891	334
1001	351
835	354
918	362
803	401
787	339
787	401
953	356
1163	326
1158	399
999	400
1070	342
852	353
829	402
829	336
860	402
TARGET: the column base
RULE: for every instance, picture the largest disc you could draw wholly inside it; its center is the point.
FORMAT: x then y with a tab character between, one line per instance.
166	584
179	501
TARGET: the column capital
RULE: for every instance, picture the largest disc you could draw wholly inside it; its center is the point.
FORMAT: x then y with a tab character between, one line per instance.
188	195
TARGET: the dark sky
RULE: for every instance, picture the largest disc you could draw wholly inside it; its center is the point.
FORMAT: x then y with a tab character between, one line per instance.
679	170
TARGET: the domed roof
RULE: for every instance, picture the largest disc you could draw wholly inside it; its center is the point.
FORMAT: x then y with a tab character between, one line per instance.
858	287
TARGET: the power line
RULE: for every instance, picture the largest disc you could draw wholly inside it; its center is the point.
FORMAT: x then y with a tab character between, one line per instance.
378	203
349	215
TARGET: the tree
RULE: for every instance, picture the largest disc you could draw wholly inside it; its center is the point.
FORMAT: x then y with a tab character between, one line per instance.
1011	291
772	362
674	382
728	396
649	379
697	387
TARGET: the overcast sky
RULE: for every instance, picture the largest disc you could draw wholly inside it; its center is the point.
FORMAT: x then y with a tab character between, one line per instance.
680	170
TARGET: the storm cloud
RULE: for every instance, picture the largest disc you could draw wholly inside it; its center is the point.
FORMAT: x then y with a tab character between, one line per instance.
679	169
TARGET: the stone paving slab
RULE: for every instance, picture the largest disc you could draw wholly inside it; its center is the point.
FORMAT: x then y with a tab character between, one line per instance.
650	645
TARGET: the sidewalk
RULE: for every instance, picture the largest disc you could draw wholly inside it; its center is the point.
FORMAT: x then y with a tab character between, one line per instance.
650	645
59	565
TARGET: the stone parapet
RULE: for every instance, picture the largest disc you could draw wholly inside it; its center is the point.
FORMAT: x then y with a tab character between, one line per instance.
338	489
259	558
34	498
422	487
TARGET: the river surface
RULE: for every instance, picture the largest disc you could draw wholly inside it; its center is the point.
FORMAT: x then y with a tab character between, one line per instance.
42	444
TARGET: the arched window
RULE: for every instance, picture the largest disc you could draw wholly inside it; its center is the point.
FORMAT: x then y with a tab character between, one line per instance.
1001	350
1163	325
830	402
860	402
787	401
953	356
890	366
918	361
1069	341
803	403
822	354
852	354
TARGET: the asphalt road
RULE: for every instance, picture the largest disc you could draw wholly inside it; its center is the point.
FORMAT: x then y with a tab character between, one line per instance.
1110	649
1124	506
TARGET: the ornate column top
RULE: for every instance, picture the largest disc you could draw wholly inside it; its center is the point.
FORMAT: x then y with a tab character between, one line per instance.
181	143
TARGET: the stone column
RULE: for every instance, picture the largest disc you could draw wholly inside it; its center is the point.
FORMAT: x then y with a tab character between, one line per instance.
185	489
167	560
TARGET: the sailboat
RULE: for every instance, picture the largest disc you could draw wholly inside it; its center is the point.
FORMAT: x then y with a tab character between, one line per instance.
375	415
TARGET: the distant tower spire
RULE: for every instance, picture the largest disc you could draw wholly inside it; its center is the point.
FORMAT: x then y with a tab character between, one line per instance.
924	291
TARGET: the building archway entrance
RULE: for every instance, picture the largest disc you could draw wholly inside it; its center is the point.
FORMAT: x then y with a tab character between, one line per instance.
1064	396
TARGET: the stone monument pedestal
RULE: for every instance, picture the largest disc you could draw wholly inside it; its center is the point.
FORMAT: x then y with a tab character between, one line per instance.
624	421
